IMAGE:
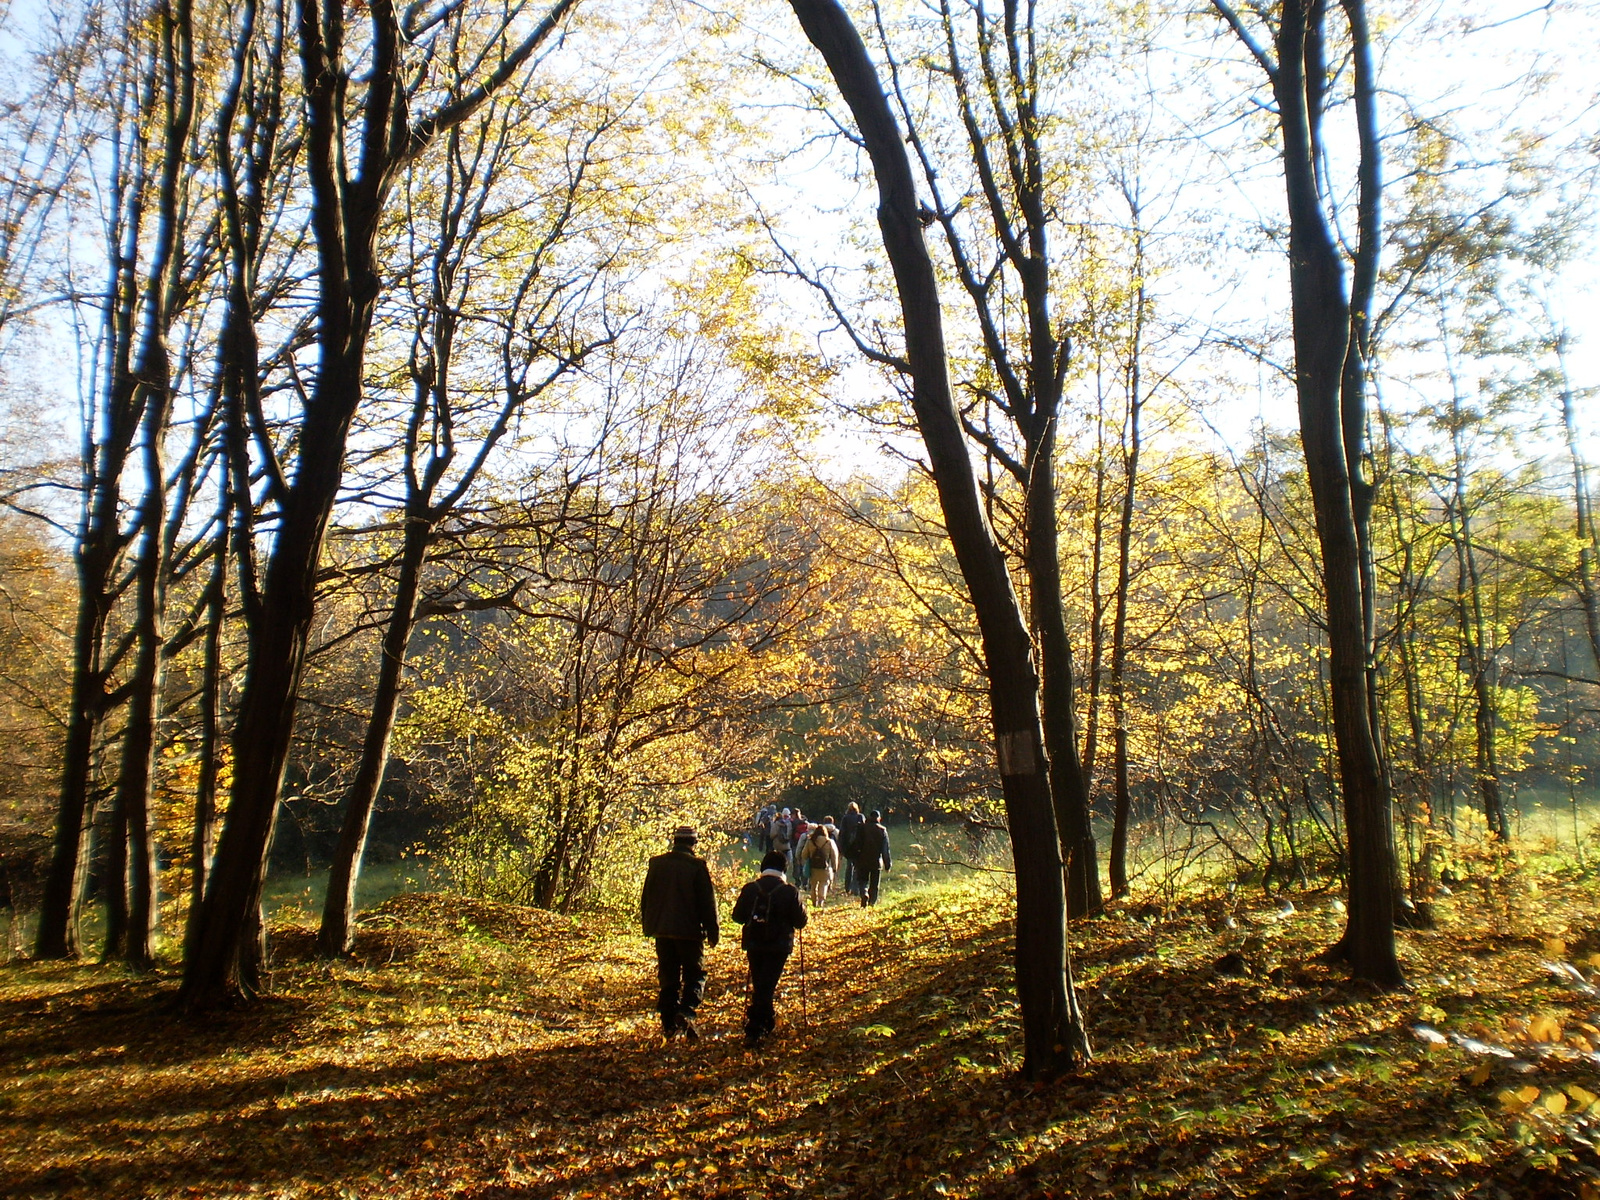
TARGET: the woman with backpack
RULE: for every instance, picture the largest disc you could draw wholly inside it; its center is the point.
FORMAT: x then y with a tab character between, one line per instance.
769	908
820	855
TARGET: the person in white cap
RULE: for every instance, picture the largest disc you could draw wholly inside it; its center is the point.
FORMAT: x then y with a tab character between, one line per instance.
678	908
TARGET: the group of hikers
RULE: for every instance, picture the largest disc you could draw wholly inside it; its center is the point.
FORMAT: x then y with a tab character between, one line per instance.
814	852
678	908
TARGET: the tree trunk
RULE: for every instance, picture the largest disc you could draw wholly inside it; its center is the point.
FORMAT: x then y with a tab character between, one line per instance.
1584	582
1330	386
1123	804
210	749
345	870
215	972
346	210
1069	785
1330	341
69	864
1053	1034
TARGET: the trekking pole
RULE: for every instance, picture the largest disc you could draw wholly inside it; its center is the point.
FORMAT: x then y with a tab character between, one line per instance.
805	1018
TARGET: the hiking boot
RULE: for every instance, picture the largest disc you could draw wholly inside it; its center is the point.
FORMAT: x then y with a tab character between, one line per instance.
688	1029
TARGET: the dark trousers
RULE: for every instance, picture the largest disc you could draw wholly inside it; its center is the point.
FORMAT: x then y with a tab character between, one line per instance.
869	884
765	970
683	978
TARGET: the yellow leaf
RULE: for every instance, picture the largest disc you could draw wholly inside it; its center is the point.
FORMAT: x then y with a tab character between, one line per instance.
1517	1099
1582	1097
1544	1028
1481	1075
1556	1102
1555	947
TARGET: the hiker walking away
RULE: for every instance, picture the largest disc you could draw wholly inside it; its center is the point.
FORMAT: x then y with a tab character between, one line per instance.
781	834
850	846
821	858
759	834
873	858
802	830
678	908
769	908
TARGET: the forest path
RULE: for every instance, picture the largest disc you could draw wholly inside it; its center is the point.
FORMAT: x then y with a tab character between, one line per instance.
488	1052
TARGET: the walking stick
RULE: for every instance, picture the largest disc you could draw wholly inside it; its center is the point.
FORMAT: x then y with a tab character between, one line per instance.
805	1018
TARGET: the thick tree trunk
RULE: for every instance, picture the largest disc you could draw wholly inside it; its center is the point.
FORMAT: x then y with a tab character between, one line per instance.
215	972
345	870
1053	1034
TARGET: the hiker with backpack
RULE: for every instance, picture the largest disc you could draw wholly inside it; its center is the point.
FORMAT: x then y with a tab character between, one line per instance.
781	834
769	908
820	857
802	830
678	907
872	859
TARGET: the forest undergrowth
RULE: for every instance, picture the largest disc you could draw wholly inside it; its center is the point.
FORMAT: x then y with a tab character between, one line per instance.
485	1051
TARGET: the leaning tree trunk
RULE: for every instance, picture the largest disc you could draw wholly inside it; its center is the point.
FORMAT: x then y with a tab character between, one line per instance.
362	796
1053	1034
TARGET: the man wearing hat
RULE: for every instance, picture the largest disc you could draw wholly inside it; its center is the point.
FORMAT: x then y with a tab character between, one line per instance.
679	909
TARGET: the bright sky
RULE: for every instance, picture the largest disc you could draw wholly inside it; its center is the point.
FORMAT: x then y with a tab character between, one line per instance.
1481	66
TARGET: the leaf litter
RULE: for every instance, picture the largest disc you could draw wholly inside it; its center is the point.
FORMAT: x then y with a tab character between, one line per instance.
484	1051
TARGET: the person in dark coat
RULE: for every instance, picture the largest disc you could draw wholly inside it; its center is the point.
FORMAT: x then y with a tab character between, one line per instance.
850	845
678	908
769	908
872	857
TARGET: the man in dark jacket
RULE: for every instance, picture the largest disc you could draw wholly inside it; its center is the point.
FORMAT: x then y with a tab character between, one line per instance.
872	859
850	845
679	908
769	908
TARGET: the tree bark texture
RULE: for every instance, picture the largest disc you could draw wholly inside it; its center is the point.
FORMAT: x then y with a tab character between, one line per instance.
1053	1035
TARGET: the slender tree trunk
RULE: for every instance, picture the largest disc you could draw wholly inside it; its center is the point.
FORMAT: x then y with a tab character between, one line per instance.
1330	366
1069	785
210	749
339	906
1479	655
69	864
1588	534
1123	804
1053	1034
